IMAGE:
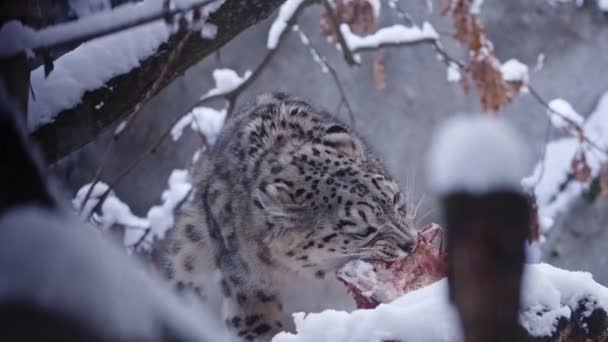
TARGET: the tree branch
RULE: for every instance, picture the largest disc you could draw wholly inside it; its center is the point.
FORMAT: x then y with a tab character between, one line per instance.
333	18
75	127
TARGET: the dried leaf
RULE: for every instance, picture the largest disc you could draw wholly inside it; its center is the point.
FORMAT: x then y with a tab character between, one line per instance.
603	177
478	38
357	14
379	74
580	167
367	19
492	89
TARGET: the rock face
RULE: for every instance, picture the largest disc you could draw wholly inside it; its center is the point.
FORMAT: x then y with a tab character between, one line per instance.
398	120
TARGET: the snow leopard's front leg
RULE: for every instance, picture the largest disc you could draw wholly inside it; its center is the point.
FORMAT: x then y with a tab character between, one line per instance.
253	314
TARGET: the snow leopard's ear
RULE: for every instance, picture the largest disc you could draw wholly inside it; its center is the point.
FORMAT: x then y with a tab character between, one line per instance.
340	138
275	200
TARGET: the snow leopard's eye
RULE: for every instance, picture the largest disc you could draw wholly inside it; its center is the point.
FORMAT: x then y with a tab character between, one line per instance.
399	204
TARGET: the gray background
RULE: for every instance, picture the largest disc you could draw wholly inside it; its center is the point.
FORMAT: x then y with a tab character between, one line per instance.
399	120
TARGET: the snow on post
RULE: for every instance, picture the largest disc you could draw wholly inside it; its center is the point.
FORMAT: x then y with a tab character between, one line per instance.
476	164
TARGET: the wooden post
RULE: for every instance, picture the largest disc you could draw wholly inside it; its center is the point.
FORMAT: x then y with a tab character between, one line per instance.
486	235
476	164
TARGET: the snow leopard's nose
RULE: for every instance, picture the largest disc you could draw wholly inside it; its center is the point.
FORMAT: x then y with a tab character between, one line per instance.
407	247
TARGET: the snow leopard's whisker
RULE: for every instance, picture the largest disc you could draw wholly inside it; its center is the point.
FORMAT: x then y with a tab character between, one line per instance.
424	216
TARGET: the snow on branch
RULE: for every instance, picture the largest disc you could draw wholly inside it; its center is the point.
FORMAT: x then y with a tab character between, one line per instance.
226	81
556	185
395	35
569	118
287	11
207	121
138	230
19	38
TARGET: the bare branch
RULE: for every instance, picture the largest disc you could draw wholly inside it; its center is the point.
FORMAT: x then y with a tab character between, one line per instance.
333	18
332	71
578	129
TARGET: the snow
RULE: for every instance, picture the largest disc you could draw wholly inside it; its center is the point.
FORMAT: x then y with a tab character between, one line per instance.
25	38
83	8
207	121
476	154
89	67
209	31
72	271
313	53
413	317
427	315
540	62
564	109
114	211
160	217
121	127
453	72
551	173
97	191
476	7
395	34
93	63
226	80
514	71
286	12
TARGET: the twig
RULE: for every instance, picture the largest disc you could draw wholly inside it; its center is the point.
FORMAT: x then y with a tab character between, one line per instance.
405	16
332	72
544	154
141	239
579	129
333	18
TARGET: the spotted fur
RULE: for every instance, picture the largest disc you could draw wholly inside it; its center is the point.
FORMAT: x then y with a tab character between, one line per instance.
286	190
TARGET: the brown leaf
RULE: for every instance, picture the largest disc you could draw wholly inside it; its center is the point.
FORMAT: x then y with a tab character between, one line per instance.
492	89
367	17
603	177
379	74
478	38
580	168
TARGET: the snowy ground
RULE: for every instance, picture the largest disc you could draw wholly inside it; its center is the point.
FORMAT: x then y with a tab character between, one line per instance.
426	315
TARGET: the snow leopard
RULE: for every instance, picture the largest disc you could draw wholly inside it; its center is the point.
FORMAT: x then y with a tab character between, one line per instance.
286	192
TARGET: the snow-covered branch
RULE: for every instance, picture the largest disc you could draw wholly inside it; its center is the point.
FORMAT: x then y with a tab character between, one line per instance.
396	35
18	38
93	108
